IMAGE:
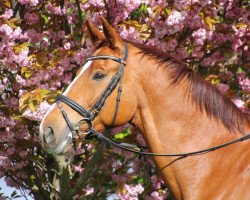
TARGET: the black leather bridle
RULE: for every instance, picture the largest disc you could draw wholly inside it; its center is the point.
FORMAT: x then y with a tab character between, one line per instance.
90	115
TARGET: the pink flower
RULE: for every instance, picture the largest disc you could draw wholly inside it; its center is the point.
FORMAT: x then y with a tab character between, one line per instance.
130	192
245	84
34	36
244	81
200	36
140	139
175	17
21	175
67	46
6	29
31	18
80	56
182	52
239	103
181	4
171	44
78	168
157	196
237	43
89	190
131	33
22	58
97	3
223	88
29	2
23	153
10	183
57	10
157	182
7	14
38	115
20	165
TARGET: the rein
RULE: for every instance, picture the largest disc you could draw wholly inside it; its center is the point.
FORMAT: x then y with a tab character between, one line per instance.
90	115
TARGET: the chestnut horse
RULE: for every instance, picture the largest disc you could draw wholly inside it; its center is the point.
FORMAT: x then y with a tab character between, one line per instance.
175	109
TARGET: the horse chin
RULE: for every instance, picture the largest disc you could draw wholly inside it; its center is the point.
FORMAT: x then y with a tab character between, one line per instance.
68	147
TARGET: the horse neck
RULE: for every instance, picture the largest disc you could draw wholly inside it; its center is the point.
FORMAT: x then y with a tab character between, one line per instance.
172	123
169	112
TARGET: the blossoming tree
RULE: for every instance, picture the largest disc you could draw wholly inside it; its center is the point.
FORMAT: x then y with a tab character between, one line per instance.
43	43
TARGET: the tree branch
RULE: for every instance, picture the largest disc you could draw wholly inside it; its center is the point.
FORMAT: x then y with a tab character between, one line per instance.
79	11
15	10
108	12
89	170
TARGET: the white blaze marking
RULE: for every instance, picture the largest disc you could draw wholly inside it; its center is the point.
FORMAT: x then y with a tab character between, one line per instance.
84	68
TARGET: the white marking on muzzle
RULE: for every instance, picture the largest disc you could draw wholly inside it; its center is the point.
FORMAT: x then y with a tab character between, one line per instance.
42	122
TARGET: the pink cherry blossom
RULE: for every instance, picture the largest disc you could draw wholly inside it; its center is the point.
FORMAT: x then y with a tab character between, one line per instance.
55	9
7	14
130	192
67	45
200	36
29	2
31	18
78	168
54	28
239	103
175	17
89	190
39	113
223	88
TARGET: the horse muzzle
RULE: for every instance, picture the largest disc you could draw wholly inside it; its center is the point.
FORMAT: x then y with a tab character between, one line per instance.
51	144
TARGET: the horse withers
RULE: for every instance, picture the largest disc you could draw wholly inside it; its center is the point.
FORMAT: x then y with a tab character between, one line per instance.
176	111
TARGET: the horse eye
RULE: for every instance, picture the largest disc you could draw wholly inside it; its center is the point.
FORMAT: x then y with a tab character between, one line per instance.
98	76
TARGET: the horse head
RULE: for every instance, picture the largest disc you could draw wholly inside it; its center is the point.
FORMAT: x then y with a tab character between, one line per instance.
102	91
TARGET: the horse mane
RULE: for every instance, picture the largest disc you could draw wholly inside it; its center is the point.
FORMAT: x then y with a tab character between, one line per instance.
205	96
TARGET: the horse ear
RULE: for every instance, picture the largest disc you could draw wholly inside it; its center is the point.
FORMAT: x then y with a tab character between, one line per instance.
112	37
93	32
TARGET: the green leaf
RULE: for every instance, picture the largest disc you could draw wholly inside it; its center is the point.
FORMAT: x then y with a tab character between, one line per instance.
32	177
190	49
27	74
44	93
141	180
122	135
33	105
24	46
141	11
13	22
168	10
209	21
40	58
46	18
240	70
35	188
24	99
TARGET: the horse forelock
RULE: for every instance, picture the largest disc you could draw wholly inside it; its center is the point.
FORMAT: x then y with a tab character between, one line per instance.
203	94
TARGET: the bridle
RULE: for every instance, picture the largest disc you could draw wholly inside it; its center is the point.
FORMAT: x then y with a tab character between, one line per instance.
90	115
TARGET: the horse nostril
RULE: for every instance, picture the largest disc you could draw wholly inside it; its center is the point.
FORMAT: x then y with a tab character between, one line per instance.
49	135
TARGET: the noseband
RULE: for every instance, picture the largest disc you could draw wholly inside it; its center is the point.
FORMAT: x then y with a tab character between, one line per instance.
90	115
